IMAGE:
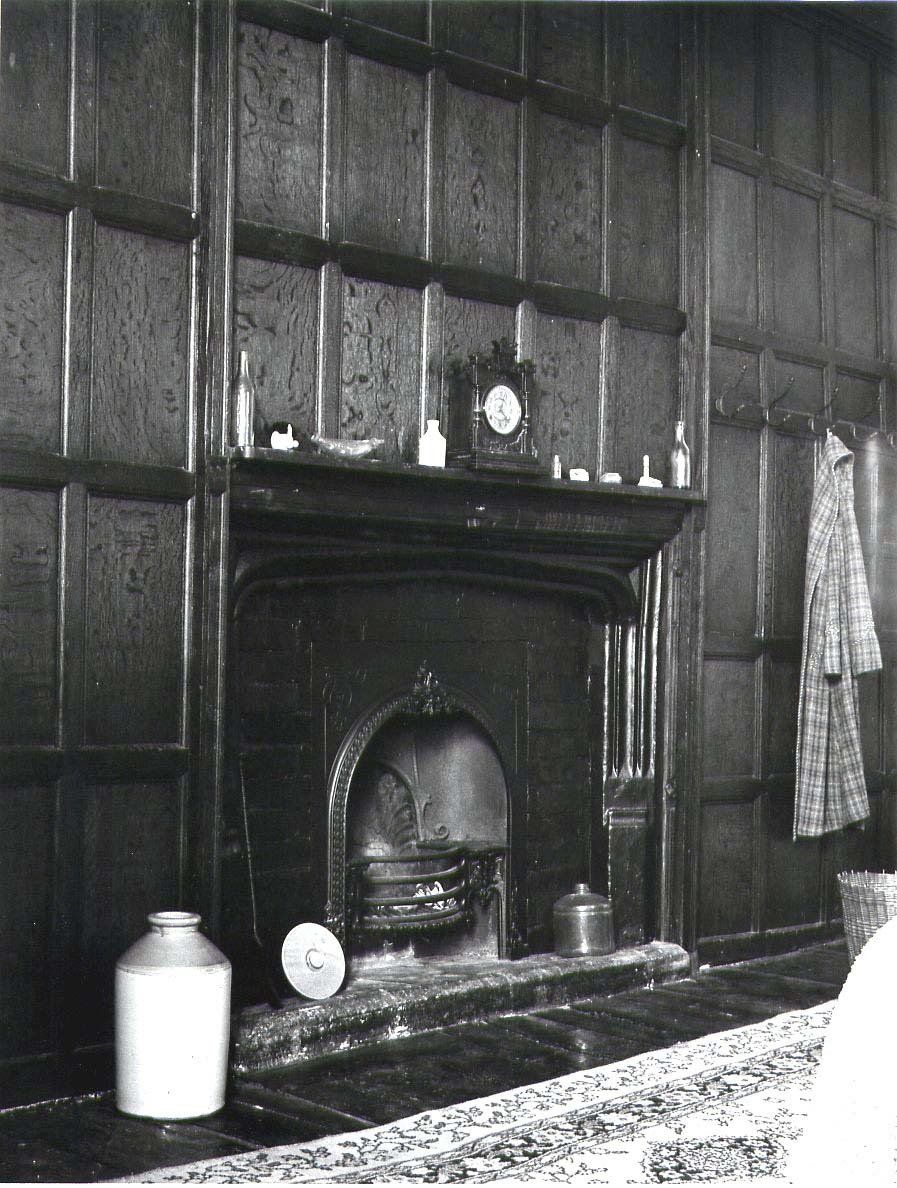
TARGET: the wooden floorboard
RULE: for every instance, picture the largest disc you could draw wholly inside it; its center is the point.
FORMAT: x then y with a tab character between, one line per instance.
83	1138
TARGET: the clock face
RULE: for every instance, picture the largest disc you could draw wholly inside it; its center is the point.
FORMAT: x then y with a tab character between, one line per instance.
502	409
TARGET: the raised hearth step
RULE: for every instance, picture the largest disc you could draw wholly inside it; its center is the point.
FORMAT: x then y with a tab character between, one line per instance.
403	997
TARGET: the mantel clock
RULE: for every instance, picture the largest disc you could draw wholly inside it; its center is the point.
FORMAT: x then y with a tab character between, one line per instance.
488	425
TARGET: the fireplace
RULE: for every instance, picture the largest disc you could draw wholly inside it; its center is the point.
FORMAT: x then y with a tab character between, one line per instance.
437	684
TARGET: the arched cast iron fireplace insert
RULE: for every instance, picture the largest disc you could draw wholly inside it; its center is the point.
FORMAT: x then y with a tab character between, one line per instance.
419	827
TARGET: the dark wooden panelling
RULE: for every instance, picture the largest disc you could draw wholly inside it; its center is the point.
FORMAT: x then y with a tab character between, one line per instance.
134	631
890	253
733	518
141	322
279	119
472	326
146	65
796	268
727	865
853	161
733	73
29	570
794	97
26	850
793	869
275	313
569	43
856	399
380	380
567	405
797	386
34	82
409	19
481	183
130	868
385	151
570	197
644	44
643	403
856	314
734	377
783	691
887	122
733	245
490	32
792	482
32	272
647	223
729	717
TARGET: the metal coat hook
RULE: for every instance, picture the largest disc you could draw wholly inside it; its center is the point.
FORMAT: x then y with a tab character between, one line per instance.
781	396
825	408
719	403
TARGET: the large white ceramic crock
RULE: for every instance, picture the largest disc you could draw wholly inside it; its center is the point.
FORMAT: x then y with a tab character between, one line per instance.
172	1021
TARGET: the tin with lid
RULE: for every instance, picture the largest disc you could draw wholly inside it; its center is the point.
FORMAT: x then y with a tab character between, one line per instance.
583	924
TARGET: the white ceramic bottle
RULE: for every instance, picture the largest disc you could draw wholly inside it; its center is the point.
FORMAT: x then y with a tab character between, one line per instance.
431	446
172	1021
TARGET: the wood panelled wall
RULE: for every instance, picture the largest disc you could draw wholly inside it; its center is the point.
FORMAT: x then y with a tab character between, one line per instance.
802	192
355	194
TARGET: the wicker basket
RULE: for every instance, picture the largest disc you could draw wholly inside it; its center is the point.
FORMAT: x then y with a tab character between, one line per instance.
869	901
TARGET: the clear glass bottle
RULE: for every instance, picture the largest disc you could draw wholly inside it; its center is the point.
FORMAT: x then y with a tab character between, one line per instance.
680	459
243	424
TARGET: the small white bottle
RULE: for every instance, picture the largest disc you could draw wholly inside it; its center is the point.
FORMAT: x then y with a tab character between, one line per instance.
680	459
431	446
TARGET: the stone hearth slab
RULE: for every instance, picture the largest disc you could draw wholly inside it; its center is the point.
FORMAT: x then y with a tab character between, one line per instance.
406	996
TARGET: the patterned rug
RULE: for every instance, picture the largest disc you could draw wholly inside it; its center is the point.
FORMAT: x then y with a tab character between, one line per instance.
723	1108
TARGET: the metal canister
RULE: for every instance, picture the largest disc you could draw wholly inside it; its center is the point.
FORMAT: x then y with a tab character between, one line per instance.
583	924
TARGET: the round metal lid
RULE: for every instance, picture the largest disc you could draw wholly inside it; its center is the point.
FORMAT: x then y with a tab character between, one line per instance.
313	961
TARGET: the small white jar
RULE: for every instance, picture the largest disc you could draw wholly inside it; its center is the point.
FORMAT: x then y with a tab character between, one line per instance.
172	1021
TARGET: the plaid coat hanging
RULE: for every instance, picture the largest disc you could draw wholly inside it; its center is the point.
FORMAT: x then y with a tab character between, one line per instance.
839	642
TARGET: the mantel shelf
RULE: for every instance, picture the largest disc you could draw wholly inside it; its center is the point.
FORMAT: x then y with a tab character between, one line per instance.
617	524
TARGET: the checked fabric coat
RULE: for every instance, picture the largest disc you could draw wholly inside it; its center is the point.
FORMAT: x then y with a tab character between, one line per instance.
839	642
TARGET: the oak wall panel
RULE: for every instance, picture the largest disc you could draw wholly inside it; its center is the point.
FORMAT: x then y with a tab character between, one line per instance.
856	312
489	31
141	326
727	865
276	323
729	717
733	73
891	254
857	398
568	363
783	694
887	122
647	223
570	199
853	160
733	525
386	116
26	859
481	184
642	403
29	616
644	45
134	631
796	280
792	482
796	386
32	288
120	823
473	325
733	245
569	44
145	65
34	101
380	374
794	94
409	19
793	869
279	129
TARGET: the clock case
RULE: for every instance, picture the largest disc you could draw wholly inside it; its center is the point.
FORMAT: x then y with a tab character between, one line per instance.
470	441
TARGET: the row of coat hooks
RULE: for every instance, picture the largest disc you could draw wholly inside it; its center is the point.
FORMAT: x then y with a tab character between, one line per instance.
819	422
